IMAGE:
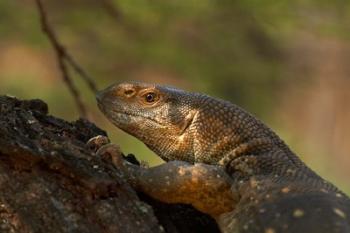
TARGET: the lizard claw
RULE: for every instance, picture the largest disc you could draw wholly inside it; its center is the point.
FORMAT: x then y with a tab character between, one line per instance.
111	153
97	142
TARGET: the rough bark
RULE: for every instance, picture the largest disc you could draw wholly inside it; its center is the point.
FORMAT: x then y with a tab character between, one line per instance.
50	181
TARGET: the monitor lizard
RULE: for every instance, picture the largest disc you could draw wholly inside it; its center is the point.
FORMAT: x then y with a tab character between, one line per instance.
222	160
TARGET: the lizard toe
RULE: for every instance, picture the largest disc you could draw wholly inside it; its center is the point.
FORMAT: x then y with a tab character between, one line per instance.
97	142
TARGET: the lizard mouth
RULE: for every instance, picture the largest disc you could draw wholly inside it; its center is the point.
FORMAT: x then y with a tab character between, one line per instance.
129	114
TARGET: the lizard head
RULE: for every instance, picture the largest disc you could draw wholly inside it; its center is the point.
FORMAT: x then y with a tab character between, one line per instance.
153	114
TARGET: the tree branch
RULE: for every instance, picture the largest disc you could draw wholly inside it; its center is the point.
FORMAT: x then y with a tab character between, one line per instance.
63	57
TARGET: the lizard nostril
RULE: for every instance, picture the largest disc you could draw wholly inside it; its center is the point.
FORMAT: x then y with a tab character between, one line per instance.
129	92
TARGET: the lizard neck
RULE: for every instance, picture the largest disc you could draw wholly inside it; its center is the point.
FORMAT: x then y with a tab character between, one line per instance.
223	131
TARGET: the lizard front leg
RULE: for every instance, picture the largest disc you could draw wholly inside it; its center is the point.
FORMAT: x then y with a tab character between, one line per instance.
208	188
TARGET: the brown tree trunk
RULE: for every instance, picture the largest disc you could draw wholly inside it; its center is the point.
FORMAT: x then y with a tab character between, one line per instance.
51	182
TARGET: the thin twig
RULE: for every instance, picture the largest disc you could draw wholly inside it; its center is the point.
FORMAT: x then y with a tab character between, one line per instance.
62	58
81	72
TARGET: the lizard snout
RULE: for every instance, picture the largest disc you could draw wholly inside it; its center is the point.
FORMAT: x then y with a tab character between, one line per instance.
105	98
122	90
105	94
100	97
113	96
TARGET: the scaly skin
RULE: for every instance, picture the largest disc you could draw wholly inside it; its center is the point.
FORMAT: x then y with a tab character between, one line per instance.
223	161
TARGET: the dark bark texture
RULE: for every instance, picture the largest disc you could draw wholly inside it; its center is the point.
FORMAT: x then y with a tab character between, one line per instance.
50	181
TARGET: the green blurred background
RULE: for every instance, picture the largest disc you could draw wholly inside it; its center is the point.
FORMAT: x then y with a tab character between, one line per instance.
286	61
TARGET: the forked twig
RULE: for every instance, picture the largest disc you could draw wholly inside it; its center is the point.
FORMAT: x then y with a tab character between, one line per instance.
64	57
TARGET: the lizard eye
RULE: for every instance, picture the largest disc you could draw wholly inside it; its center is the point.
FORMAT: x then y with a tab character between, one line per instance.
150	97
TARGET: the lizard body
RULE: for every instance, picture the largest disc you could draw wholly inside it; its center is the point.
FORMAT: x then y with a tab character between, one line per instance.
223	161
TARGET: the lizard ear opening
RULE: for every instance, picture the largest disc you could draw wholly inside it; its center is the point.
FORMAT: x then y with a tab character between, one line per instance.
185	124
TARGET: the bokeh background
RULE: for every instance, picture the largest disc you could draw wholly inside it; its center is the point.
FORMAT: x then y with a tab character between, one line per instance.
286	61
